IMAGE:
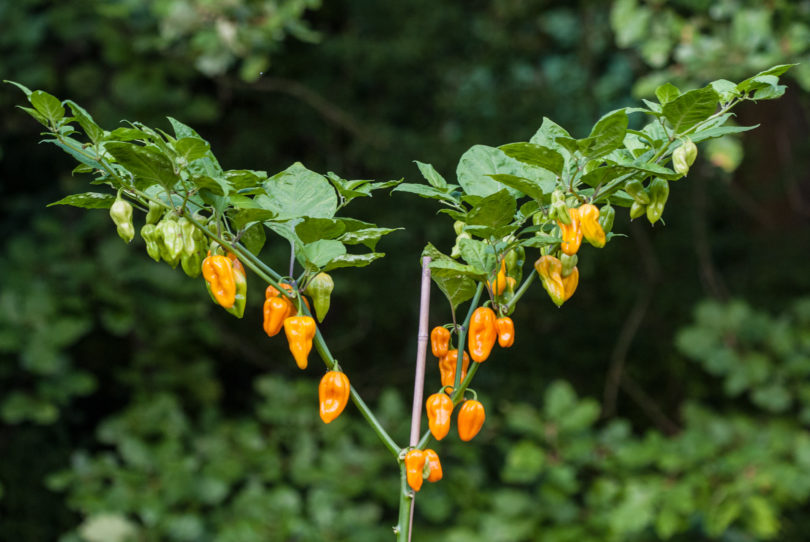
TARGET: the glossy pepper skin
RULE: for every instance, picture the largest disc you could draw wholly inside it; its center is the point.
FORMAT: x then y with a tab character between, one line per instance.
149	235
549	269
414	468
591	228
300	331
606	216
571	233
170	240
240	280
333	394
435	466
121	214
471	418
439	341
447	367
498	284
635	190
506	331
217	271
684	156
276	310
659	192
570	284
156	211
320	288
439	408
482	334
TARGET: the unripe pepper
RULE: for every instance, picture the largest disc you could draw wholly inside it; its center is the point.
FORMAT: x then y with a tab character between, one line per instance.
549	269
498	284
300	331
217	271
606	215
448	364
192	264
155	212
482	333
636	210
659	192
439	341
439	408
471	418
635	190
170	240
568	263
434	465
684	156
333	393
591	229
506	331
149	234
320	288
414	468
559	210
515	259
121	214
571	233
570	283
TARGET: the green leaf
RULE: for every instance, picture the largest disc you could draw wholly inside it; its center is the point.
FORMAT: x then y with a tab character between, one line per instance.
425	192
240	179
74	148
254	238
145	163
533	189
756	81
719	131
320	253
725	89
457	287
299	192
477	254
182	130
431	175
539	241
93	130
217	185
40	118
479	162
48	105
20	86
691	108
241	218
602	175
667	92
548	133
367	236
88	200
607	134
125	133
535	155
494	211
313	229
191	148
353	260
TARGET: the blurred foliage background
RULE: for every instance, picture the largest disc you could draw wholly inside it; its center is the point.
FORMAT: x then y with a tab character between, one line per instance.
668	400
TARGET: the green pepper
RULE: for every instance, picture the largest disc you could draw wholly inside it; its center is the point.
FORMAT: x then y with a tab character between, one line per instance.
659	192
154	213
121	214
635	190
569	262
320	288
170	239
515	259
150	237
606	216
240	280
636	210
684	156
559	210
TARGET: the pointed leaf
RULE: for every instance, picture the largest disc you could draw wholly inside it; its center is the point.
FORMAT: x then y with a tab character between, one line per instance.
88	200
431	175
667	92
146	164
691	108
191	148
493	211
299	192
535	155
93	130
353	260
313	229
47	104
533	189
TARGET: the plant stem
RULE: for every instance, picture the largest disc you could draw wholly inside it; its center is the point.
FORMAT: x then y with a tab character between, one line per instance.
521	290
463	334
403	528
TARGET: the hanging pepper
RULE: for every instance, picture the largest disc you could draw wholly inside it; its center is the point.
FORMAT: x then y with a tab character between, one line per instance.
549	270
193	249
568	264
571	233
471	418
498	284
320	288
300	331
515	259
559	210
606	216
149	235
439	341
570	283
636	210
635	190
170	240
414	468
447	367
506	331
155	212
240	280
659	192
684	156
591	229
439	408
434	465
276	310
482	334
333	393
217	271
121	214
192	264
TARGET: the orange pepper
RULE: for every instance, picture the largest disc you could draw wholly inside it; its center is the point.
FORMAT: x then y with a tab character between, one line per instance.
447	367
414	468
432	459
506	331
300	331
591	229
218	273
482	333
439	409
439	341
333	394
471	418
571	233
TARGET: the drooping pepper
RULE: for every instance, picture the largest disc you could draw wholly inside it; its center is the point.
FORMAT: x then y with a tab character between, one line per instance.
591	229
559	210
637	209
570	283
156	211
439	408
193	247
439	341
121	214
320	288
482	334
549	269
218	273
300	331
498	284
276	310
447	367
506	331
149	235
571	233
606	215
684	156
170	240
568	263
515	259
471	418
434	465
414	468
635	189
333	393
659	192
240	280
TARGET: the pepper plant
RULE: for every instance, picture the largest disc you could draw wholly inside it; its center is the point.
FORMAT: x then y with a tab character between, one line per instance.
543	196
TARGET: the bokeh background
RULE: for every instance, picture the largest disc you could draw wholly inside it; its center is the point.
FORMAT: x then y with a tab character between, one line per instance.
668	400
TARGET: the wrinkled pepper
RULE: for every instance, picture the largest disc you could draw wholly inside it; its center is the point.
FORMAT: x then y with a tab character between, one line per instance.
684	156
439	408
570	283
591	228
439	341
659	192
218	273
149	235
636	210
320	288
415	468
549	269
606	216
506	331
515	259
170	240
498	284
482	334
471	418
434	465
559	210
121	214
333	394
635	189
568	263
300	331
448	364
240	280
571	233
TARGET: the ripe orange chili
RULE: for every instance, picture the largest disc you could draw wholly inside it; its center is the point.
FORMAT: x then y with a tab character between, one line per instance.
506	331
217	271
300	331
447	367
432	459
439	341
414	468
439	409
482	334
571	233
333	394
471	418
